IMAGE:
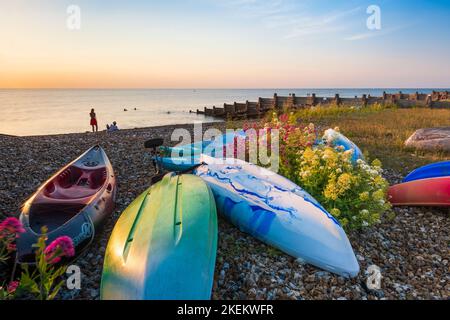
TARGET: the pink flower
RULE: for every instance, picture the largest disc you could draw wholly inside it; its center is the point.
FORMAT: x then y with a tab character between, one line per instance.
11	247
12	287
59	248
284	118
12	226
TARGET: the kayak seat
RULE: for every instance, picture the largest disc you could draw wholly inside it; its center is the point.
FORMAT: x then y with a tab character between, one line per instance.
75	183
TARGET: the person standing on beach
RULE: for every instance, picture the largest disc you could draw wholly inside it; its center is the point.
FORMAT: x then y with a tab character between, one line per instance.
94	121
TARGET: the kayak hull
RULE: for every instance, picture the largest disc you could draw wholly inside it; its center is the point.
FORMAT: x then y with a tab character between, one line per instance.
337	139
209	146
164	244
433	192
74	202
184	157
434	170
279	213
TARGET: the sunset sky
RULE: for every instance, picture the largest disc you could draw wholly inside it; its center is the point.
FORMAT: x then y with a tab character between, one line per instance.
224	44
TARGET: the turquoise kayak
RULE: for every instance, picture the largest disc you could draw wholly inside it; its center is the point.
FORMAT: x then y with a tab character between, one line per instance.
184	157
164	244
278	212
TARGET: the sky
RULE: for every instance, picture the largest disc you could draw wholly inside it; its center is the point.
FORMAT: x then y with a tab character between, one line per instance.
224	44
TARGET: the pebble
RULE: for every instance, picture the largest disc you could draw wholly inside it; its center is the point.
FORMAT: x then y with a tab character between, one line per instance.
411	250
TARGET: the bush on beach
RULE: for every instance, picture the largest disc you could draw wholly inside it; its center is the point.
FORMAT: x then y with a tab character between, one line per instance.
355	194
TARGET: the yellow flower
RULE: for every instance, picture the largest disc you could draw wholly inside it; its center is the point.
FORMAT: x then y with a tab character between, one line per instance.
378	195
379	181
331	191
376	163
308	154
335	212
364	196
344	181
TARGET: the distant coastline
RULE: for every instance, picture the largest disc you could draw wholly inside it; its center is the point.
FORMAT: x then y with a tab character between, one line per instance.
30	112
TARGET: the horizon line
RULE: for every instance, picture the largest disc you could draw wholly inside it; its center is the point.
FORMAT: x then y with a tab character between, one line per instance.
225	88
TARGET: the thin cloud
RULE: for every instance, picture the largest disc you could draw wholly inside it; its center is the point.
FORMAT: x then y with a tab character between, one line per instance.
374	33
293	21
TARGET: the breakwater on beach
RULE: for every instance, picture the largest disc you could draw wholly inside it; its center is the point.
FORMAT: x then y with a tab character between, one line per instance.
249	109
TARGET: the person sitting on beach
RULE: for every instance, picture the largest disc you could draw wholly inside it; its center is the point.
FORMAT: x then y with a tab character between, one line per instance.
113	127
94	120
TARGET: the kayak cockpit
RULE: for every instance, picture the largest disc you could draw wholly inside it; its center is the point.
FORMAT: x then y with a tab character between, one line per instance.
65	196
75	183
52	216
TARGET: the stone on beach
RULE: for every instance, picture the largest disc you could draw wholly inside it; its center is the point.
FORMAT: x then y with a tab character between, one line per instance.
411	249
432	139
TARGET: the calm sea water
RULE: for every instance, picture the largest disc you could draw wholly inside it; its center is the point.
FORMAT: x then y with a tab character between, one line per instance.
40	112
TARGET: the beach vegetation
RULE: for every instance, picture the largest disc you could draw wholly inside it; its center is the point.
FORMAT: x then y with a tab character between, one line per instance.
43	280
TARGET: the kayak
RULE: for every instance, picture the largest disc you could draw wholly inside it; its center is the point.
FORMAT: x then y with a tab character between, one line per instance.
433	192
434	170
74	202
184	157
279	213
164	244
209	146
336	139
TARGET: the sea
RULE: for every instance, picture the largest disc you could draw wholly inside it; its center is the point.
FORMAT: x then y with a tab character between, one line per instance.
26	112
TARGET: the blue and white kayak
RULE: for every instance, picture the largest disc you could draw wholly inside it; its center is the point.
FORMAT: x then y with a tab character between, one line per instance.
434	170
278	212
336	139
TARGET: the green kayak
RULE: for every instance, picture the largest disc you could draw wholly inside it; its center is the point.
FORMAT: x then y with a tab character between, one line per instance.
164	245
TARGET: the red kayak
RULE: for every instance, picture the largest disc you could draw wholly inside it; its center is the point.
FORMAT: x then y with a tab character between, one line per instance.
425	192
74	202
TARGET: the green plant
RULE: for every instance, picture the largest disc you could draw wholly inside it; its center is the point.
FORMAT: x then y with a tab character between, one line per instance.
354	194
9	292
44	281
10	229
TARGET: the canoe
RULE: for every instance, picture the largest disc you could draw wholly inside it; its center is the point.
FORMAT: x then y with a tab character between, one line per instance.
164	244
278	212
336	139
434	170
74	202
433	192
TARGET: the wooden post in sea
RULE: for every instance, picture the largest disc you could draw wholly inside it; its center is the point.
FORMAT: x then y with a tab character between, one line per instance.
313	98
364	100
337	99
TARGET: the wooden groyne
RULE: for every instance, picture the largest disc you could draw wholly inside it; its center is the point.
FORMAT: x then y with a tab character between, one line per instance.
259	108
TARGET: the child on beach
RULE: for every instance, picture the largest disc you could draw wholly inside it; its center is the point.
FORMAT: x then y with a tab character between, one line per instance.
94	120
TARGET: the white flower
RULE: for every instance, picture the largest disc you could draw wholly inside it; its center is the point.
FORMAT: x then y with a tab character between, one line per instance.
365	224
